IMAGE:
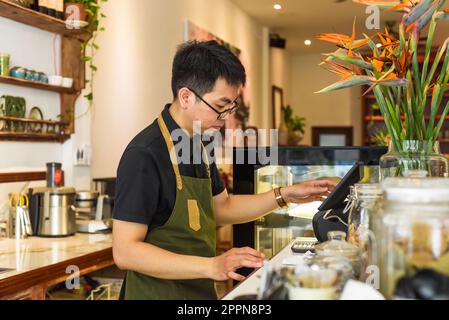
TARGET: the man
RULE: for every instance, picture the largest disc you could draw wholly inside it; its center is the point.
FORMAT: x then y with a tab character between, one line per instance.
166	212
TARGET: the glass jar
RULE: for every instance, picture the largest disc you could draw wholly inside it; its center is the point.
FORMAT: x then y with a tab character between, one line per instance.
364	202
412	234
318	278
337	246
412	158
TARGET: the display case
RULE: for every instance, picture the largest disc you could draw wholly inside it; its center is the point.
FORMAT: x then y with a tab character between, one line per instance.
292	165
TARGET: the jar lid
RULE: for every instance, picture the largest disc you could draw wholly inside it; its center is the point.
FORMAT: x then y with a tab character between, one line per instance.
337	245
416	190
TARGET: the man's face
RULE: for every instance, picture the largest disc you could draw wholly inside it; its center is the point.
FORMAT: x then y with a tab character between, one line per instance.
221	99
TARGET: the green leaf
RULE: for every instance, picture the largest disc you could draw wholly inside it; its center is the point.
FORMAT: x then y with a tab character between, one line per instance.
344	57
89	96
433	111
351	82
441	122
415	65
87	59
94	68
429	42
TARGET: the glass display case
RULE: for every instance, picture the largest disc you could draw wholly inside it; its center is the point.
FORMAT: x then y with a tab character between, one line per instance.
295	165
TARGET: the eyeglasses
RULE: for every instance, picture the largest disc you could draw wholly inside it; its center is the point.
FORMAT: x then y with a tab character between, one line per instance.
223	114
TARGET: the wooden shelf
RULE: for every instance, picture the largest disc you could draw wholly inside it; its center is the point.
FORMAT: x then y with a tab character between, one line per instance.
36	19
22	176
33	137
72	65
35	85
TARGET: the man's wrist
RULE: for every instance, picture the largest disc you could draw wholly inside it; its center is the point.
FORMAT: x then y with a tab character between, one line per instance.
209	268
280	196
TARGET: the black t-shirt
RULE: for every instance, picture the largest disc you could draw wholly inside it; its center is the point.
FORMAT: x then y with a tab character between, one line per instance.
146	182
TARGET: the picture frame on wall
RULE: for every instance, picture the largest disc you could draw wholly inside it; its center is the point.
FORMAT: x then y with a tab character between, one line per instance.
277	103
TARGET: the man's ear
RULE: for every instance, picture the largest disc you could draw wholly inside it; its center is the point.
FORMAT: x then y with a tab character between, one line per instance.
186	98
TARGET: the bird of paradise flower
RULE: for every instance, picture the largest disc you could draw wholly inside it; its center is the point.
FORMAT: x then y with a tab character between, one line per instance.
391	69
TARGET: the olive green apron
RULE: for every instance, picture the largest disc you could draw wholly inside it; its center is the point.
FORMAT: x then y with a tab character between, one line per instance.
190	230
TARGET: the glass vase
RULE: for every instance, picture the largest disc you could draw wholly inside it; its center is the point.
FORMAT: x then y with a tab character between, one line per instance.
414	158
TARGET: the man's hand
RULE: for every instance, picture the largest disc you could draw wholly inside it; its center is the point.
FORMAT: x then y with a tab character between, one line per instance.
223	267
308	191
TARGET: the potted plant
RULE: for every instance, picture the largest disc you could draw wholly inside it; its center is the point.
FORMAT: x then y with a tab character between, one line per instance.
404	89
77	8
295	125
90	11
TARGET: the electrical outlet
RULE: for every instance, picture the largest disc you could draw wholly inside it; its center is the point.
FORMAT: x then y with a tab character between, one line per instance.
83	156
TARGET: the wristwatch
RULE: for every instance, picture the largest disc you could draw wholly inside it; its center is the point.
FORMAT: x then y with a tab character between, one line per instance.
280	200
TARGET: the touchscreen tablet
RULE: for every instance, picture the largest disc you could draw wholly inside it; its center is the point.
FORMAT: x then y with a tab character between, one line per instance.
338	196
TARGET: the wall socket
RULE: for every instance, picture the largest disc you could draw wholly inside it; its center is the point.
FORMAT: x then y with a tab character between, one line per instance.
83	156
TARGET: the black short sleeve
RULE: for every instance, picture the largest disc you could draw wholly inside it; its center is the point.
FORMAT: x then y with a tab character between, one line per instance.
137	188
217	184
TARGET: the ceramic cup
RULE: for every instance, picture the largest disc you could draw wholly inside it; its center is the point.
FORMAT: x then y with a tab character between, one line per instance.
29	75
18	72
67	82
43	77
55	80
4	64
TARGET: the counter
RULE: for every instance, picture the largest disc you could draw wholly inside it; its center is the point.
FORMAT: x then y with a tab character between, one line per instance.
251	284
34	264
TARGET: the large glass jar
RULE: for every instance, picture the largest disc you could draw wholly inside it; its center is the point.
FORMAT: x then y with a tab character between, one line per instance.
409	158
364	203
412	236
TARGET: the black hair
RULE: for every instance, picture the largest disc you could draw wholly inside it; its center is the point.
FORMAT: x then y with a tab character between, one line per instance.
198	65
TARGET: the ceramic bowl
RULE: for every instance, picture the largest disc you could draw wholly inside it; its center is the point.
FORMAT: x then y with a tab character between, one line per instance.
55	80
18	72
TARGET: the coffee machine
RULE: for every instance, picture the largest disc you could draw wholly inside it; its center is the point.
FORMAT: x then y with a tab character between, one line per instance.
52	211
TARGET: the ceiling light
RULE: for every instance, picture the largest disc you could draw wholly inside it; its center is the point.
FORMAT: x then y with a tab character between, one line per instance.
307	42
277	6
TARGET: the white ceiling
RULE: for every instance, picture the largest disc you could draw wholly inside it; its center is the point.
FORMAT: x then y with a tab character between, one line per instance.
305	19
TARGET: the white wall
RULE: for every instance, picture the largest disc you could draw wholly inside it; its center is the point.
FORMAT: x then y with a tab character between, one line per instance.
280	74
133	82
338	108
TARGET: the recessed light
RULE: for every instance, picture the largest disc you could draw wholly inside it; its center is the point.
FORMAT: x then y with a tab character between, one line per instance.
307	42
277	6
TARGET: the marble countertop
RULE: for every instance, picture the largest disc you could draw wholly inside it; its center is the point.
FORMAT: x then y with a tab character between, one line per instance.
29	254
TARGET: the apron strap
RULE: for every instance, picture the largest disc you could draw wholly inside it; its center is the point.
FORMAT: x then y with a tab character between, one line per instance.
172	152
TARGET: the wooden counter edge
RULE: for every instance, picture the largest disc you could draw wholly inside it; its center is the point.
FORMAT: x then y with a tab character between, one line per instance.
36	281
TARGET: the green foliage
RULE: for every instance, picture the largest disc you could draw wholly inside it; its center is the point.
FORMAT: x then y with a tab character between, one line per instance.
90	47
293	123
